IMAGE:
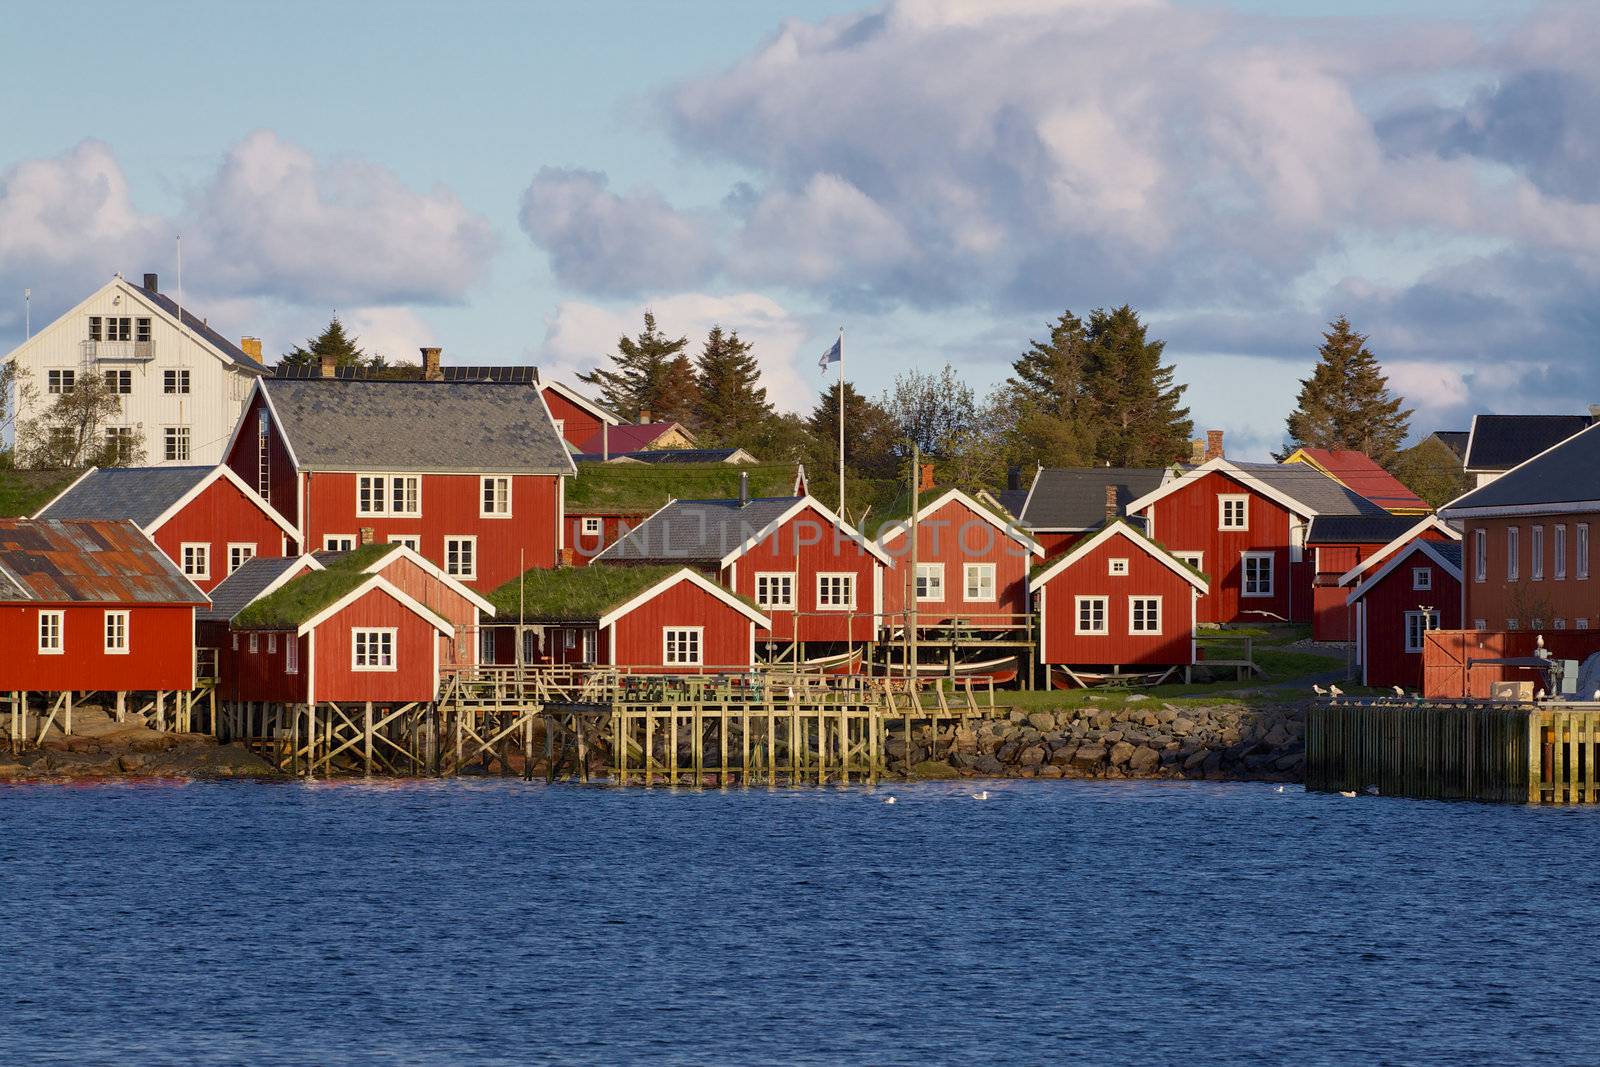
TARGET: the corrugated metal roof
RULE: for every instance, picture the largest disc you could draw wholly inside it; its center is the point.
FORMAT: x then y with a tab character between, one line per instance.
90	562
417	426
1500	442
697	531
1074	498
141	494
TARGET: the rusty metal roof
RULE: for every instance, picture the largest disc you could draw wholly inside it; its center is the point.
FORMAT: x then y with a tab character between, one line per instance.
55	561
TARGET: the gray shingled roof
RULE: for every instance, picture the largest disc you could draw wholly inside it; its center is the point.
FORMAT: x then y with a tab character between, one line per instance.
1369	529
137	493
1313	489
1563	476
235	592
1500	442
199	326
1450	550
1012	500
417	426
696	531
1074	498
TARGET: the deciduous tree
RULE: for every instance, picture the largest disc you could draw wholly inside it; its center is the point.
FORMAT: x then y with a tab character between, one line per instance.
71	432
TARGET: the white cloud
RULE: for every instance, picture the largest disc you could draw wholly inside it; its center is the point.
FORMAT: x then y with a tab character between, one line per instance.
580	336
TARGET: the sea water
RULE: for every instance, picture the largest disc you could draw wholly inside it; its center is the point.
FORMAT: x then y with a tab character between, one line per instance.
506	922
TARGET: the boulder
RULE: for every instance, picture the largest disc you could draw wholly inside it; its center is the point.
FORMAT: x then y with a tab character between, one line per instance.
1182	726
1063	755
1196	758
1121	752
1032	756
1143	759
1089	754
1048	771
934	769
988	765
1043	721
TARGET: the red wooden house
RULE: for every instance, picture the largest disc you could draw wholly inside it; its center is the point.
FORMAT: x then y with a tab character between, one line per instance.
657	619
1416	589
470	475
577	417
1117	600
206	519
1247	526
1341	545
1065	504
970	564
335	633
819	580
91	606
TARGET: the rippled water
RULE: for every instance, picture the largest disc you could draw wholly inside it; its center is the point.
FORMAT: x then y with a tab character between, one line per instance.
509	922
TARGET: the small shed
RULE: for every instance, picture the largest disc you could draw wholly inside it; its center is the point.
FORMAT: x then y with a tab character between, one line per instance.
648	618
92	606
1118	600
1416	589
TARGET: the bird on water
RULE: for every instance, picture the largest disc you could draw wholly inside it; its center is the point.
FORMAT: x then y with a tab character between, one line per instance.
981	795
888	800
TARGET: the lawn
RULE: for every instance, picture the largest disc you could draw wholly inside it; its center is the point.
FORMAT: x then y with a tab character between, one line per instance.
24	492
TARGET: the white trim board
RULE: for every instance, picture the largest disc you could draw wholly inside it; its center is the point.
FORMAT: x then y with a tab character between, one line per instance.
1426	548
1119	527
1223	467
903	526
381	584
684	574
1427	522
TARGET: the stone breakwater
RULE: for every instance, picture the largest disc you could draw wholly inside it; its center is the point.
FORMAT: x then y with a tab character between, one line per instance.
1139	740
103	748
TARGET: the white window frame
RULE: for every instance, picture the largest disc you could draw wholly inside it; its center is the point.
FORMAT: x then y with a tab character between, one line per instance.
453	568
930	575
1134	629
255	641
1483	624
1422	579
175	381
985	573
1581	623
60	382
496	480
234	548
1513	552
272	644
1513	624
1223	500
590	645
411	541
1078	604
825	578
291	654
202	551
177	444
592	526
786	581
676	657
1536	554
377	508
1580	549
1197	560
338	542
1418	623
52	637
116	626
1480	555
384	635
1117	567
1558	552
1244	575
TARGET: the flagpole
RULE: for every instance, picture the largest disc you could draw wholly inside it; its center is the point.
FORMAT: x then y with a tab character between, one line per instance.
841	423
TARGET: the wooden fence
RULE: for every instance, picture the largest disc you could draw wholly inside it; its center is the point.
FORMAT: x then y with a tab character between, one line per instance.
1445	653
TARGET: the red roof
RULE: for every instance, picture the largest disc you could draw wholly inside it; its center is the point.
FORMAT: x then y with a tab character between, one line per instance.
1358	472
86	561
629	437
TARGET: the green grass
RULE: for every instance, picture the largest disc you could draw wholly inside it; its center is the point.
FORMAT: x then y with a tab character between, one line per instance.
575	594
23	492
644	487
301	599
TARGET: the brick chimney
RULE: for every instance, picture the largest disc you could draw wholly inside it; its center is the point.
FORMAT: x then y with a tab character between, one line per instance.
1111	502
1197	451
150	283
925	478
432	370
251	346
328	366
1214	448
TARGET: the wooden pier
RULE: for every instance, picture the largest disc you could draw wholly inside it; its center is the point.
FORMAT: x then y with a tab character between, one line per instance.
1543	753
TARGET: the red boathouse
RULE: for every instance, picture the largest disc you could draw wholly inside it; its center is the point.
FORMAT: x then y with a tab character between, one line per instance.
971	564
1417	589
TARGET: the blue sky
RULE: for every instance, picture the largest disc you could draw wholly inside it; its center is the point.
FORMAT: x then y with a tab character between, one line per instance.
514	181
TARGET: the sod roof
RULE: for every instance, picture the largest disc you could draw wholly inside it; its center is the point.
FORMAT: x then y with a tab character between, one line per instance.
643	487
576	594
302	599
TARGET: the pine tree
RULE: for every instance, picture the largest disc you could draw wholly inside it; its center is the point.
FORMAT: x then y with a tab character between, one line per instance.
345	350
1131	396
731	406
1346	403
869	436
679	395
1038	413
646	374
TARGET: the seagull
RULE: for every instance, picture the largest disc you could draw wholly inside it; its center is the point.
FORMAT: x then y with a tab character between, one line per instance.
1538	694
1399	692
889	800
1317	689
1280	789
1335	692
1347	792
983	795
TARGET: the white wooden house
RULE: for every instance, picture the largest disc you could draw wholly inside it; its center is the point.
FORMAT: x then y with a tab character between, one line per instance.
181	381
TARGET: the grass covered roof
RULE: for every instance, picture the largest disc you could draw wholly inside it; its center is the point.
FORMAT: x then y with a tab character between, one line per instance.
576	594
299	600
644	487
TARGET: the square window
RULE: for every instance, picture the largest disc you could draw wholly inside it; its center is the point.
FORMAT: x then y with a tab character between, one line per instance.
495	499
775	590
930	581
196	559
116	633
51	639
979	580
1483	624
591	526
1144	615
1421	578
60	382
338	542
238	553
461	557
118	381
836	592
1580	624
681	646
1233	512
119	443
1091	615
1118	567
175	382
372	649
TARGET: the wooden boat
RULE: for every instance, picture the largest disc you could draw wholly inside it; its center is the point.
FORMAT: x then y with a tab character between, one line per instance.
837	663
1064	678
1000	669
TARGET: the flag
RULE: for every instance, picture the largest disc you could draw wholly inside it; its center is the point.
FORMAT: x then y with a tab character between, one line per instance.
832	355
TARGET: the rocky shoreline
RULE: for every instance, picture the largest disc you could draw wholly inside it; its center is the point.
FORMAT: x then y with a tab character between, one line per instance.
1142	740
101	748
